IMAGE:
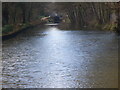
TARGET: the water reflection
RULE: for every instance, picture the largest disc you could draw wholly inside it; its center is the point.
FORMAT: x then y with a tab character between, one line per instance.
51	57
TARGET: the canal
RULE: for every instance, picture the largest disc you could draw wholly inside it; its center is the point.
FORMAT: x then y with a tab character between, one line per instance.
48	57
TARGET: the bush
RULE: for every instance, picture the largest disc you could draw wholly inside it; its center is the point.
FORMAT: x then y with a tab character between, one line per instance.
110	26
7	28
26	25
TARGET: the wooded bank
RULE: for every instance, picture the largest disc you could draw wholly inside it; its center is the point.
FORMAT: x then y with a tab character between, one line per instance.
92	15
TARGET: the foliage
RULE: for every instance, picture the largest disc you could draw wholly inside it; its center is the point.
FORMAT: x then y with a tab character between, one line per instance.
80	14
7	28
93	14
111	27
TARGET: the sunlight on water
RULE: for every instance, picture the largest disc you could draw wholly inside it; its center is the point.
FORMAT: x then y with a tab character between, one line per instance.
53	30
55	33
60	59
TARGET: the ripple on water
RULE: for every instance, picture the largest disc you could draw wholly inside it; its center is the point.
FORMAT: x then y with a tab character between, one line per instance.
64	59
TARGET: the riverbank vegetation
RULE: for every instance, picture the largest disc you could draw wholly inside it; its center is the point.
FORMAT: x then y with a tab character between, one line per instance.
93	15
20	15
81	15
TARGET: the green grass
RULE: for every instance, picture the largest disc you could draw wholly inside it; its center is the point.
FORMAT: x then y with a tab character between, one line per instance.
7	28
12	28
25	25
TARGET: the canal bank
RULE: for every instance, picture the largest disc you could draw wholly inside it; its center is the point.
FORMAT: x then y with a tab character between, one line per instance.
16	29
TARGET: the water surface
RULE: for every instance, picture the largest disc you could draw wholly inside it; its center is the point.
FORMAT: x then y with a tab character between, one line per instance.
49	57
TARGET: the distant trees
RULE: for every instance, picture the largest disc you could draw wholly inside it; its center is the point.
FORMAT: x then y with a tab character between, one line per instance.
20	12
92	14
80	14
5	14
115	6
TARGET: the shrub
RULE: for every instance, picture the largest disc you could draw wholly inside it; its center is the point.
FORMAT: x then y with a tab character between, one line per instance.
7	28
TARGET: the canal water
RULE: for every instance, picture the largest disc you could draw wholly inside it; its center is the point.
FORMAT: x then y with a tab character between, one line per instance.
47	57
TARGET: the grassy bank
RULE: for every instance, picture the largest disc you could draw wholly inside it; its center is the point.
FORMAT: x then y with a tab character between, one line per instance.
9	29
13	28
